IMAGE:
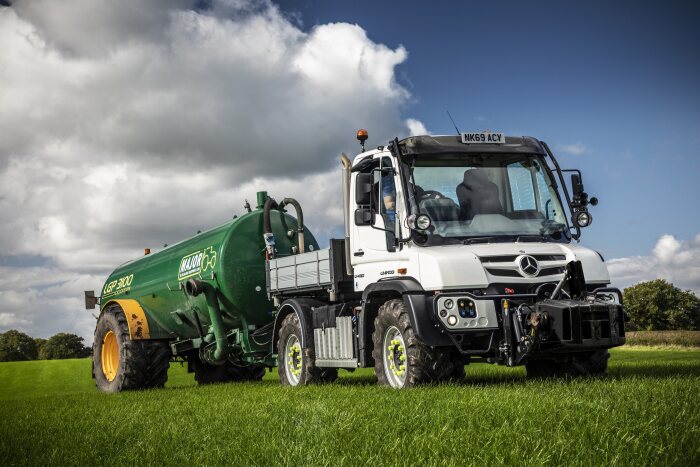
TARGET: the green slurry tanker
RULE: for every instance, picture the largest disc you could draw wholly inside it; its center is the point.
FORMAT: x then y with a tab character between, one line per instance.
457	249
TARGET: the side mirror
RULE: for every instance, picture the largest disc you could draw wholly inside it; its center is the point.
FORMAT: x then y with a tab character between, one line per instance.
363	189
576	187
364	216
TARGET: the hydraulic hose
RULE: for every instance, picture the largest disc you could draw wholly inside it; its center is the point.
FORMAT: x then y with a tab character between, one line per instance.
268	236
300	220
194	287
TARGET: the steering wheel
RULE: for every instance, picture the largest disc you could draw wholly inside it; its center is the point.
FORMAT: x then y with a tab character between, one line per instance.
430	194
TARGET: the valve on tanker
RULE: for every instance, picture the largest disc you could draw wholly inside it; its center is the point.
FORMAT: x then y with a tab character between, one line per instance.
269	245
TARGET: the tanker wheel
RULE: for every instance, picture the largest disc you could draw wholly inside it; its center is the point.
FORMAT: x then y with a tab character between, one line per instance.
121	364
296	364
400	359
584	364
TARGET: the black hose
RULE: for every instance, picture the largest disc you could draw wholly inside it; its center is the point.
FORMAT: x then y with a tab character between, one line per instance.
269	204
300	220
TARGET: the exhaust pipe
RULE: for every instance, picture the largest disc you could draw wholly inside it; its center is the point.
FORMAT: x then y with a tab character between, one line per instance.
346	210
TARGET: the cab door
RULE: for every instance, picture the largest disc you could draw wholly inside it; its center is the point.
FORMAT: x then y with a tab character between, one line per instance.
373	244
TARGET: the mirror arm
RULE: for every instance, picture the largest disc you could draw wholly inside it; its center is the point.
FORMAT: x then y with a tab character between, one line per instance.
576	235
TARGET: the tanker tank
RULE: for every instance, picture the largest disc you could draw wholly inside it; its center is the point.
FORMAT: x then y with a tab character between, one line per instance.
203	297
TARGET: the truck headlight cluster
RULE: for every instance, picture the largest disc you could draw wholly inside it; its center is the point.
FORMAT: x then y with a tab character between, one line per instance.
466	313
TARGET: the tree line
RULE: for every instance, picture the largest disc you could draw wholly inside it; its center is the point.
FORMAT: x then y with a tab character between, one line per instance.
651	306
17	346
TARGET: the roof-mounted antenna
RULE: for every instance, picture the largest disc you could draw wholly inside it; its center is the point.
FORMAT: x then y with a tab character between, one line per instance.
453	122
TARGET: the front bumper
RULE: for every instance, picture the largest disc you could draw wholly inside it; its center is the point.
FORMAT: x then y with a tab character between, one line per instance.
572	325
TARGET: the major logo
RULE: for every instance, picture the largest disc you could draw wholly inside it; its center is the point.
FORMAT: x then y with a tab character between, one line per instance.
197	263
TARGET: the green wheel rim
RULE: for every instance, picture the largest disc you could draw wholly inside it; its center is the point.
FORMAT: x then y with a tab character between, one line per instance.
293	362
394	355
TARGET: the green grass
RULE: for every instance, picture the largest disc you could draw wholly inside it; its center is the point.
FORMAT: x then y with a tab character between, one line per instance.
664	338
647	412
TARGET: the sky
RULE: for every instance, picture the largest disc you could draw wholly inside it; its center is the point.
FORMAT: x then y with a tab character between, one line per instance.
127	125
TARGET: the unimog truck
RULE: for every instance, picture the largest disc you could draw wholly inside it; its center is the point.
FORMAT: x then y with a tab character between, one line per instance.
456	249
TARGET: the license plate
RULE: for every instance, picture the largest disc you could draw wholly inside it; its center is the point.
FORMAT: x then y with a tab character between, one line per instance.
483	138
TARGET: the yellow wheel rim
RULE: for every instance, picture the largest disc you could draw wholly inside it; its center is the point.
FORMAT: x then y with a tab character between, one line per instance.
110	356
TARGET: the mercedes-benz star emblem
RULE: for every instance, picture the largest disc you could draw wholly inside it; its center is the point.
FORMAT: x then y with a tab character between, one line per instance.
528	265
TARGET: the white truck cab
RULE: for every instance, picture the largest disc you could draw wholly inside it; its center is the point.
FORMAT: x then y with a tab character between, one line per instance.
456	248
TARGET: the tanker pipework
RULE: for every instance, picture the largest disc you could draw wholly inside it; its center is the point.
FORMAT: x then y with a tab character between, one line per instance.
300	220
194	287
268	236
347	165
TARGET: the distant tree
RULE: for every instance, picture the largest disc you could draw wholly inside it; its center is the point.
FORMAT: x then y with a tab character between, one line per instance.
39	344
63	345
660	306
16	346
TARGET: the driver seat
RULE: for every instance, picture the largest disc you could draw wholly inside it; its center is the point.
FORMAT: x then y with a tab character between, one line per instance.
477	195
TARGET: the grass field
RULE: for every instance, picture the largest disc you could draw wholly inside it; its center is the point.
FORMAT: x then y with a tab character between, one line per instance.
646	412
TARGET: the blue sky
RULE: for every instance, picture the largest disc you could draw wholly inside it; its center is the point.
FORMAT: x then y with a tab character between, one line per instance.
619	79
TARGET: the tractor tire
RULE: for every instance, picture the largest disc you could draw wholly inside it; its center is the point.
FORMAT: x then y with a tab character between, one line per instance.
459	373
584	364
120	363
400	359
205	373
296	364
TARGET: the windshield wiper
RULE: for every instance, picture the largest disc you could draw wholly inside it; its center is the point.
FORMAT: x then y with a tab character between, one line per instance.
533	238
469	241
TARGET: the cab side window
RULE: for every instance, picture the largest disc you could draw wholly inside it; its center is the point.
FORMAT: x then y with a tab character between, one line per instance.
387	200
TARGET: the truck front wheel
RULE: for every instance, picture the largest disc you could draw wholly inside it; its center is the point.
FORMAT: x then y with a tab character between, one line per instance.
583	364
120	363
400	359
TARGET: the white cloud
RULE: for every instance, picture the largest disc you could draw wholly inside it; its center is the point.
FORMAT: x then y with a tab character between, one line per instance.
575	149
416	127
677	261
132	124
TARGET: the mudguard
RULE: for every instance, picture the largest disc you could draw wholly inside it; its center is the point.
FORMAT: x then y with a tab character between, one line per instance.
302	307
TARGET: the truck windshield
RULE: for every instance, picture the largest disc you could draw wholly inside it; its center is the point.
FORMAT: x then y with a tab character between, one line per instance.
487	198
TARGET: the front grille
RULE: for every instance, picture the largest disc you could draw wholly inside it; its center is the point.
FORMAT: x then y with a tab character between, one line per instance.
498	259
551	271
503	272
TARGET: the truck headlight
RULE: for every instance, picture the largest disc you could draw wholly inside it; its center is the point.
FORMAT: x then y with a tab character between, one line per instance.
583	219
423	222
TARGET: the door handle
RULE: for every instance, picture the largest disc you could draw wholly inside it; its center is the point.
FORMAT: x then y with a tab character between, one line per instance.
359	253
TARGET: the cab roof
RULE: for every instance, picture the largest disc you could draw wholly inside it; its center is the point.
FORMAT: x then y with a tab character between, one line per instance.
414	145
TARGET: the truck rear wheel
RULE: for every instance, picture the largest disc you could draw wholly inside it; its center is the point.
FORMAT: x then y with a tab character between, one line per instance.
400	359
296	364
120	363
584	364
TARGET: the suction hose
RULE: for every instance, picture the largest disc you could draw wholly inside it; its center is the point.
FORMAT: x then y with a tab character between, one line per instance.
300	220
194	287
268	236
